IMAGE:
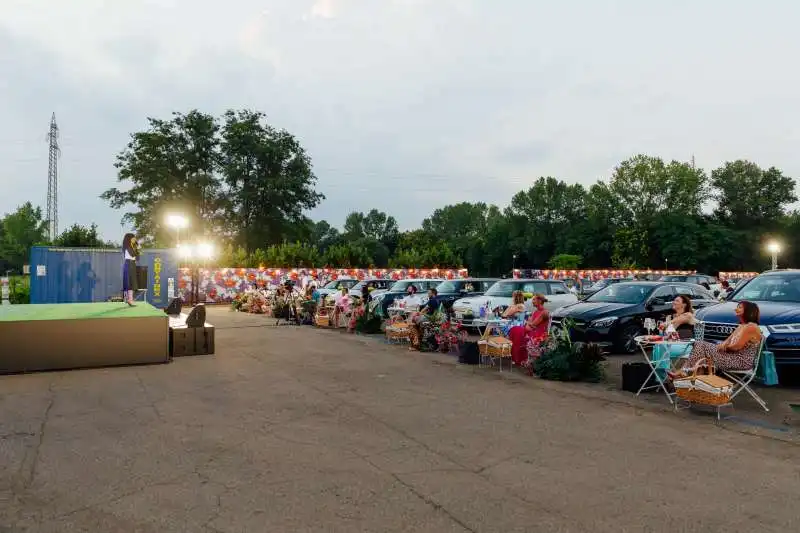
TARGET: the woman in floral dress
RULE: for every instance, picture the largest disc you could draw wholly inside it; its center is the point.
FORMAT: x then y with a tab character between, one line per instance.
737	352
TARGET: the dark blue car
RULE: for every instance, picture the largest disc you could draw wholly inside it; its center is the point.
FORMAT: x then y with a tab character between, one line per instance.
777	294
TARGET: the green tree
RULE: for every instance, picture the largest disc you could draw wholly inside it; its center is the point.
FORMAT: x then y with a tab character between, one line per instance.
347	255
565	262
20	230
78	236
375	225
172	166
269	176
749	197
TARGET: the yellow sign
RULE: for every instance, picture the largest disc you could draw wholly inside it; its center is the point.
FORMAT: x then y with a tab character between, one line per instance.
157	277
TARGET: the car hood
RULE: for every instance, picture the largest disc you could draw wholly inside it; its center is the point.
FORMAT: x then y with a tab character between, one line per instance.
772	313
476	302
587	311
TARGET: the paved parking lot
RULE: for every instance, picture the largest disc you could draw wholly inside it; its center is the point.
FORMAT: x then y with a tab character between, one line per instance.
296	429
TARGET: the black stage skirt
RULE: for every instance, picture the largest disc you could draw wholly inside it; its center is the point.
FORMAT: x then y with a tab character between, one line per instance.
129	276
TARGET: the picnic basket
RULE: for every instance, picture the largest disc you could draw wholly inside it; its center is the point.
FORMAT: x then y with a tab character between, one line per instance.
398	330
704	389
494	345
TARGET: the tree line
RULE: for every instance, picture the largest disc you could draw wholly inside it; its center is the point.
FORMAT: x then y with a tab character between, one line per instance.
249	186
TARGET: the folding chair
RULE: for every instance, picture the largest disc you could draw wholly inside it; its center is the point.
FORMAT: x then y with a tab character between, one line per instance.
743	378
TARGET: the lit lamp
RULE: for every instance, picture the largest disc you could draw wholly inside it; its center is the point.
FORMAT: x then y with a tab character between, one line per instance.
178	222
774	248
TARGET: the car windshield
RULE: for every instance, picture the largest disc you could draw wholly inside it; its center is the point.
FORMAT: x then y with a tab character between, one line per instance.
504	290
340	283
772	288
450	287
401	286
622	293
331	284
673	278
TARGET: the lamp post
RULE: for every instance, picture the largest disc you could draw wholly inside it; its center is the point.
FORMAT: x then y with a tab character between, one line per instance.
194	255
178	222
774	248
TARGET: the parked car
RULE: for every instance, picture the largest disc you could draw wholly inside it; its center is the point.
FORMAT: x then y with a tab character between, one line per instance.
614	316
379	285
451	290
600	285
468	310
334	286
709	282
777	294
384	299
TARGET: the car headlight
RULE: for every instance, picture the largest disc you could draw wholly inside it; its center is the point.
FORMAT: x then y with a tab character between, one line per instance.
603	322
784	328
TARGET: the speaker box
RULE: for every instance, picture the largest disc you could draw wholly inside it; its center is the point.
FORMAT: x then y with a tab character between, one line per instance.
174	307
197	317
184	341
141	277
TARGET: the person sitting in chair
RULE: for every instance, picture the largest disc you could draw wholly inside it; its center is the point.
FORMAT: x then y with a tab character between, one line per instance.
737	352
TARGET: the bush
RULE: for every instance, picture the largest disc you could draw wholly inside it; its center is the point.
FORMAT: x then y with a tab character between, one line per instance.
19	289
563	360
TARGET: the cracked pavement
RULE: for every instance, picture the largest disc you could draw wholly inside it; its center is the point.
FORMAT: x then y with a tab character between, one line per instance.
303	430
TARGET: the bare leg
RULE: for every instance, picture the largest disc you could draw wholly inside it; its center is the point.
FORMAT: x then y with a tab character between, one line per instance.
130	298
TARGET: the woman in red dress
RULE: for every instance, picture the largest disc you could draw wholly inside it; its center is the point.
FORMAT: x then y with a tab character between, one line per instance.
534	331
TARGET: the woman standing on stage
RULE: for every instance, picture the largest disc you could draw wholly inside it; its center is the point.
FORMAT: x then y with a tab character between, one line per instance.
130	249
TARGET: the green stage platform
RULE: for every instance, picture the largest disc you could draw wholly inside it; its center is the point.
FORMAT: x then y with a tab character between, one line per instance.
84	335
14	313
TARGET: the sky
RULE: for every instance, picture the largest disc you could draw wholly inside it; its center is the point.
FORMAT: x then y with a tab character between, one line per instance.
403	105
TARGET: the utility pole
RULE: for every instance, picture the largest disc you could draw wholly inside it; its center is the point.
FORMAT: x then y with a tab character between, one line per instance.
52	180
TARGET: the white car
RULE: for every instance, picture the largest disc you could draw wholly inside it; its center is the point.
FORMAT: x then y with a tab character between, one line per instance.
468	310
378	285
334	286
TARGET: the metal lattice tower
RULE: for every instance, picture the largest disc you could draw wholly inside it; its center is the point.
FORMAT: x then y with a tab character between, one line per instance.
52	180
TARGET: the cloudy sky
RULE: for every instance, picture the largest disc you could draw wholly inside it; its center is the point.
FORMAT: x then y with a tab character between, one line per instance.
404	105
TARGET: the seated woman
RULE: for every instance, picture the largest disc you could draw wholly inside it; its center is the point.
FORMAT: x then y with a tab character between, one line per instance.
422	329
683	320
533	332
515	312
737	352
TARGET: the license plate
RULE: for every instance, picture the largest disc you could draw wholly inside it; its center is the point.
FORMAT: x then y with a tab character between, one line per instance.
459	315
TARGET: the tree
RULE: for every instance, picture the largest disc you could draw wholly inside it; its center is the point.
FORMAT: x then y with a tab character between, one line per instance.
749	197
346	255
81	237
375	225
565	262
241	180
171	167
20	230
323	235
542	219
269	177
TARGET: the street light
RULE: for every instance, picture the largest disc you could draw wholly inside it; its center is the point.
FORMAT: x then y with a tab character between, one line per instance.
178	222
774	248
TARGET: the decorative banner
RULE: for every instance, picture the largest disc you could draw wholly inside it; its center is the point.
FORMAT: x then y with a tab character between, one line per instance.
223	284
595	274
737	275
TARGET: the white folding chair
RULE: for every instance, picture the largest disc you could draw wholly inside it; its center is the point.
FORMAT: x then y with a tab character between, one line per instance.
743	378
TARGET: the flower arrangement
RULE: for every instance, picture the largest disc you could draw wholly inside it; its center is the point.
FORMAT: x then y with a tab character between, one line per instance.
449	335
563	360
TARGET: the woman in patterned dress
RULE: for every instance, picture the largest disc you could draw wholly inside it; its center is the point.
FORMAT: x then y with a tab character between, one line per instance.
737	352
528	338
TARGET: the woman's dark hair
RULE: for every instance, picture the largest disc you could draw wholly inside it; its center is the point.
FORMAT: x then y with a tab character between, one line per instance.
126	243
687	303
750	314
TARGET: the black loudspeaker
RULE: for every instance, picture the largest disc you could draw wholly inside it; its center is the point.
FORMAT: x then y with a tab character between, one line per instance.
141	277
174	307
634	374
197	317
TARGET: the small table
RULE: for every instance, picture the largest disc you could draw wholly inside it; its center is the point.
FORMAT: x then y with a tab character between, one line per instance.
492	323
397	311
656	365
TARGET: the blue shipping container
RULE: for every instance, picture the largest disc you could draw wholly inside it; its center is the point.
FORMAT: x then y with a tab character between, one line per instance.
72	275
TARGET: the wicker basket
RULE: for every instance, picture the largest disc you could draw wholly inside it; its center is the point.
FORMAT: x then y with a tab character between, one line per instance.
689	388
398	331
494	346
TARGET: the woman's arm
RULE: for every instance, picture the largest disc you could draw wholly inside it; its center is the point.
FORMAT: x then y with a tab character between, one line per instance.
511	310
535	320
684	318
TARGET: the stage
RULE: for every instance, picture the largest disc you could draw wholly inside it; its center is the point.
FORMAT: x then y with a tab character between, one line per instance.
81	335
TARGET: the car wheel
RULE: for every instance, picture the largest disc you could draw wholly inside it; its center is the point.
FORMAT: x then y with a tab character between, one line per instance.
626	339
